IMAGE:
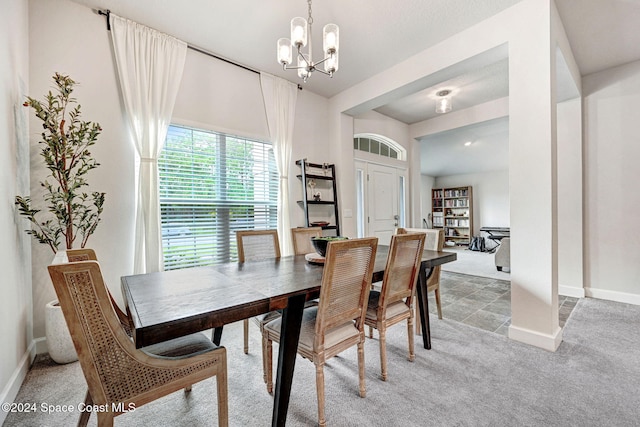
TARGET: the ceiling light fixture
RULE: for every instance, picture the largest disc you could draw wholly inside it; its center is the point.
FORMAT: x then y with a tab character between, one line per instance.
468	143
300	37
443	104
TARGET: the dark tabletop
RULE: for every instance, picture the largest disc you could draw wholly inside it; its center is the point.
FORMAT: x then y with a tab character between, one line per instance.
171	304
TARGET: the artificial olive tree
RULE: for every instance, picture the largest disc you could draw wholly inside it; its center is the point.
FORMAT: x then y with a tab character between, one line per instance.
73	214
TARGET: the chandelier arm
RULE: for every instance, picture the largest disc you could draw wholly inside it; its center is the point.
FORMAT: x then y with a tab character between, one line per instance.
322	71
315	64
287	67
304	58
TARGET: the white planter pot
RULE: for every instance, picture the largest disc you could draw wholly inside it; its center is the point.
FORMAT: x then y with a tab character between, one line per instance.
59	340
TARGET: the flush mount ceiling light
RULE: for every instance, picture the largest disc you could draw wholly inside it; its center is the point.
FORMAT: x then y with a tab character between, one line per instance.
300	37
443	104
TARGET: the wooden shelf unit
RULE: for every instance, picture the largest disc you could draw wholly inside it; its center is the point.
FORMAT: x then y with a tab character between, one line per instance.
324	176
452	210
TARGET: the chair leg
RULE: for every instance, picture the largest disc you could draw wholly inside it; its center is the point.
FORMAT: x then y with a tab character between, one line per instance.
363	390
223	393
412	354
320	391
268	364
383	351
246	336
438	305
264	357
105	419
84	416
370	332
417	317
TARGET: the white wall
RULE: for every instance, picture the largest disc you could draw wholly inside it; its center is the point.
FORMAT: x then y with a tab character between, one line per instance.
427	183
490	196
612	198
213	94
15	256
570	199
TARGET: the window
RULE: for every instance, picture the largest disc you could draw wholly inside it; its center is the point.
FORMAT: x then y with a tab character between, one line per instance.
379	145
212	184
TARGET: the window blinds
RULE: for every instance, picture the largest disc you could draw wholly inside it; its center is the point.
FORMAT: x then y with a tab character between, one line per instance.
212	184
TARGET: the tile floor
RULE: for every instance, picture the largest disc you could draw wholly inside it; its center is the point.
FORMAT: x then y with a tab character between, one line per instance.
483	302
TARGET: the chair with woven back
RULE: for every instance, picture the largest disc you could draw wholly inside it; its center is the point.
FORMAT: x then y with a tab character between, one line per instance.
256	245
434	241
393	303
301	237
337	322
119	376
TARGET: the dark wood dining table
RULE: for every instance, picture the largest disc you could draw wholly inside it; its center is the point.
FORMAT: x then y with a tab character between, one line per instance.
170	304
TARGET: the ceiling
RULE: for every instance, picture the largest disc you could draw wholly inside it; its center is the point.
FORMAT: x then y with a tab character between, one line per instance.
375	35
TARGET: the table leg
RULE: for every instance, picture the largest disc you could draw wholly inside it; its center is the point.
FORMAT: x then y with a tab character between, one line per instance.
216	335
423	305
288	349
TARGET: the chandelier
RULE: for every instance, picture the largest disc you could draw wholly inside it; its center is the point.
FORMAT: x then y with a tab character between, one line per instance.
300	37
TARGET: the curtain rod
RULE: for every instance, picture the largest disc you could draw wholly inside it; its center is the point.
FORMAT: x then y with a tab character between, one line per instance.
107	13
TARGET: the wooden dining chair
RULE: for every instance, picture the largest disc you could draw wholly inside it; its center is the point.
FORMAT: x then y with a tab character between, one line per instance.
256	245
118	375
337	322
301	237
393	303
434	241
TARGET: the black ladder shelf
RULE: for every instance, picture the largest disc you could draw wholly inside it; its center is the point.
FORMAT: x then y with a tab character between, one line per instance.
325	174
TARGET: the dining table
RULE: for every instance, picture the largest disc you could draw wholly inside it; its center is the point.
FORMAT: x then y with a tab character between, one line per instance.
170	304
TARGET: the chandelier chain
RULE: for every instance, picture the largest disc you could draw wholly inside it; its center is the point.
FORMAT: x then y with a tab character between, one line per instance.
310	20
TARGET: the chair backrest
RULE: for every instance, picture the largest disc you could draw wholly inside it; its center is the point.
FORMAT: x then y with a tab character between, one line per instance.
302	239
257	244
401	272
74	255
85	254
346	281
434	240
103	347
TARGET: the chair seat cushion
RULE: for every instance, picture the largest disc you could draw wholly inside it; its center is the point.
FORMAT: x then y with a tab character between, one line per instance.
332	337
393	309
263	319
182	347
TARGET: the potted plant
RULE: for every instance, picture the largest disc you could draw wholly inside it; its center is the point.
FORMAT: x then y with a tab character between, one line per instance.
72	214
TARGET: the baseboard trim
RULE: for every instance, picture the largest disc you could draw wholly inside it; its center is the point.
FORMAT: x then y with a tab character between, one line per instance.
616	296
544	341
17	378
41	345
571	291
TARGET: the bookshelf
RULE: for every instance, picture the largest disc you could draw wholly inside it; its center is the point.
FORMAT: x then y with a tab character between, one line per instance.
452	210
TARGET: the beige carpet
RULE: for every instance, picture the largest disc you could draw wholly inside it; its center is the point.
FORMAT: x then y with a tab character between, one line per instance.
475	264
470	378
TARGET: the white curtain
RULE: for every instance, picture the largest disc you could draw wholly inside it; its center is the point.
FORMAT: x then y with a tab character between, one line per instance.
280	104
150	66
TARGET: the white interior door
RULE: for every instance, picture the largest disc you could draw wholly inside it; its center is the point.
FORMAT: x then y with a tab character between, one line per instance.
382	202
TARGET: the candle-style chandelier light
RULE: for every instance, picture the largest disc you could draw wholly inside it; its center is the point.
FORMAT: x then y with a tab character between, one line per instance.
300	37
